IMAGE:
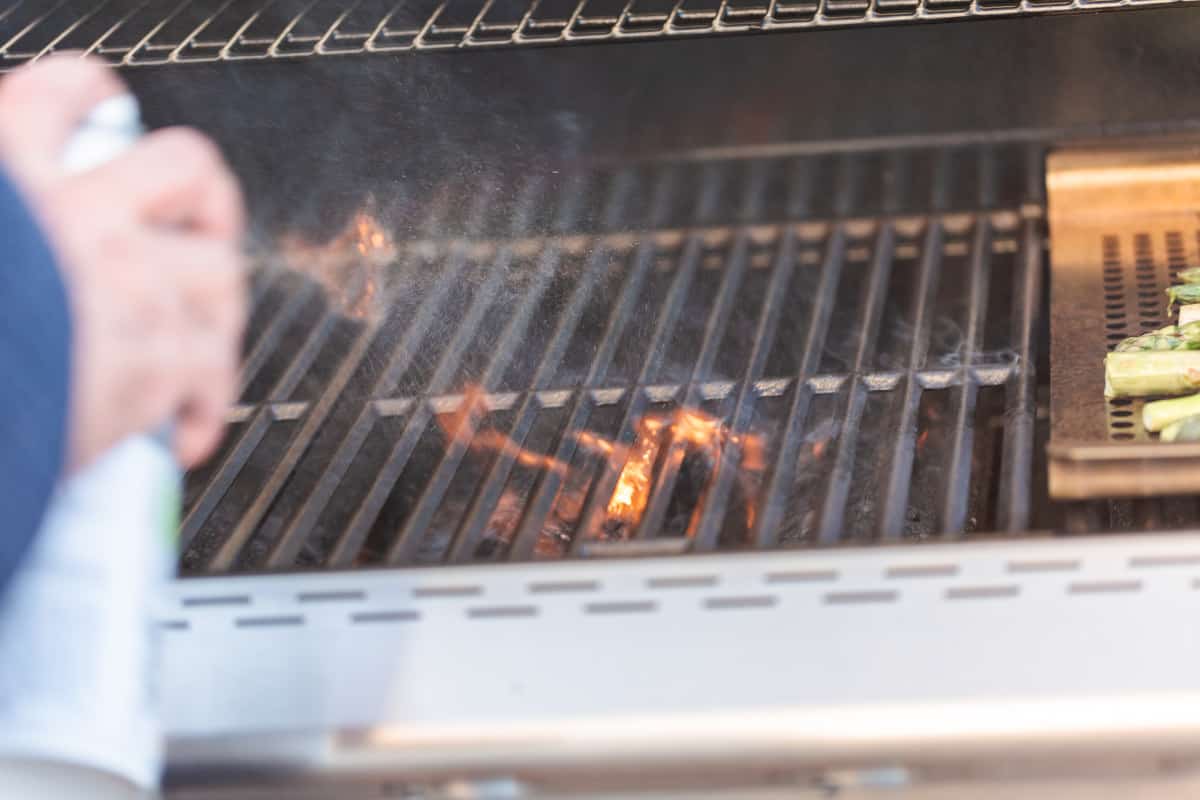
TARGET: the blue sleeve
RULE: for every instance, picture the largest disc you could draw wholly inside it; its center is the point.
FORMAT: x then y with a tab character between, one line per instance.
35	351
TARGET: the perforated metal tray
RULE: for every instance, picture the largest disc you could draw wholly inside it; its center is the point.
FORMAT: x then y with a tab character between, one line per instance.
1123	222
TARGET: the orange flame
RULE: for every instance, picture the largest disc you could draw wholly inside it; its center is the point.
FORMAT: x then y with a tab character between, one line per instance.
349	265
591	441
635	481
632	491
499	443
754	453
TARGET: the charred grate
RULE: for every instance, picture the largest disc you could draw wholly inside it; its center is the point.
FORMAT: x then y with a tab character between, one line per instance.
144	32
761	377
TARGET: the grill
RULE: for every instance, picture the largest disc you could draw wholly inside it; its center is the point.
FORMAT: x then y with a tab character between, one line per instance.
147	32
570	367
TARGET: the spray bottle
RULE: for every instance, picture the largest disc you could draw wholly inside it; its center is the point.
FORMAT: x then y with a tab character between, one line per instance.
78	645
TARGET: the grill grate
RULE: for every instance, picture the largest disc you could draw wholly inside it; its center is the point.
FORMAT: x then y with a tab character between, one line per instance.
141	32
872	378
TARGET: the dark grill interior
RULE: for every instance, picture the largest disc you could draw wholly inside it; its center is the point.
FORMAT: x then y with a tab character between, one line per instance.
656	297
143	32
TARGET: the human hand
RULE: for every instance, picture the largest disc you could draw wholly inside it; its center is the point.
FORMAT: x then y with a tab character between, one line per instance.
149	249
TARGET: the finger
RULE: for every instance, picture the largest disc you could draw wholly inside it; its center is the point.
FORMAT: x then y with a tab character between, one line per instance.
210	278
211	390
133	311
43	104
152	391
176	177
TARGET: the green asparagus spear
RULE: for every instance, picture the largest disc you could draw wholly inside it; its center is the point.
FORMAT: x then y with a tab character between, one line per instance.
1145	374
1161	413
1185	430
1190	275
1184	337
1186	293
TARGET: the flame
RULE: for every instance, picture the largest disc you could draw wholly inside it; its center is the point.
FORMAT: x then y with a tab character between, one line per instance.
635	481
754	453
498	442
632	492
349	266
464	420
599	444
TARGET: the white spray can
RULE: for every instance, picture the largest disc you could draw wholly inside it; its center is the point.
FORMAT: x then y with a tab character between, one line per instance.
78	644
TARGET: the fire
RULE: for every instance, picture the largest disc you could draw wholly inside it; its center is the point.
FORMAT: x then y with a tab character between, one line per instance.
349	266
499	443
754	455
591	441
698	433
371	238
632	491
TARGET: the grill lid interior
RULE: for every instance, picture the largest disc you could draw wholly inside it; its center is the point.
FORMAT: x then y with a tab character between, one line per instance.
137	32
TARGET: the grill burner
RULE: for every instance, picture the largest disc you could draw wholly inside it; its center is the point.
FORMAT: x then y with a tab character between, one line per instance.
146	32
711	358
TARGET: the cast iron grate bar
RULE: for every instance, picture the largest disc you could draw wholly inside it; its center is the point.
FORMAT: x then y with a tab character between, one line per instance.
1015	505
464	426
849	418
1015	500
896	491
954	510
148	32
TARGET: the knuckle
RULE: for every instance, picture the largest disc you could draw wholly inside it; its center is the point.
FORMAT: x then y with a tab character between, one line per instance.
190	148
43	80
